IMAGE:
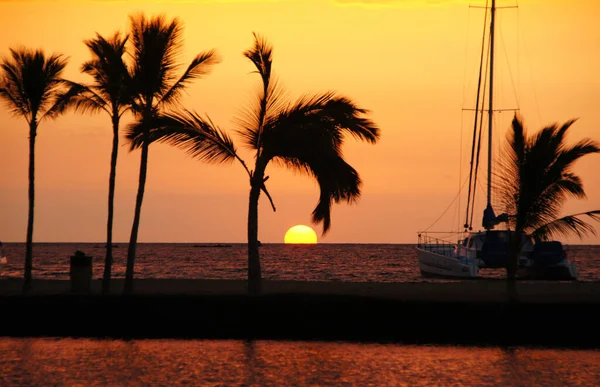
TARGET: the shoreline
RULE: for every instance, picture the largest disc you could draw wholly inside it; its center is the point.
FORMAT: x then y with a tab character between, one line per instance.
470	312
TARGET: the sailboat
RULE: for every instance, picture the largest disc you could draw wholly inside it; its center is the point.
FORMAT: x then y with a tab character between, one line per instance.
489	248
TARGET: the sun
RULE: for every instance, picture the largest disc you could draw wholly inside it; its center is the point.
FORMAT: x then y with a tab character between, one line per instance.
300	234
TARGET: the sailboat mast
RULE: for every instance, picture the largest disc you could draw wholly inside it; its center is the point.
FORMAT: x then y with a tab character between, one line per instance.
491	104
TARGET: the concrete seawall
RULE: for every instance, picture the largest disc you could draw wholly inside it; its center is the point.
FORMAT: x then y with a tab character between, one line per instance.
555	315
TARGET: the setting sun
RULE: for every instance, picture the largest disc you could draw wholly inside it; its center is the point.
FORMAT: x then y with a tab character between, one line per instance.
300	234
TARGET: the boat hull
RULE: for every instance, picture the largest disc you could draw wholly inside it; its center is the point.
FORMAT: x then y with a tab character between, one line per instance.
434	264
563	272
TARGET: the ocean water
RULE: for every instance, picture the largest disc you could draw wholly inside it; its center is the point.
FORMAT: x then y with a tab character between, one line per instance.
86	362
320	262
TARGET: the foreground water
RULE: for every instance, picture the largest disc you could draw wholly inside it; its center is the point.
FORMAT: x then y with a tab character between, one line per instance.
322	262
85	362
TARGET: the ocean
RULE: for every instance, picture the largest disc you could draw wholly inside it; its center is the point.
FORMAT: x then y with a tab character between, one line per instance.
319	262
91	362
63	361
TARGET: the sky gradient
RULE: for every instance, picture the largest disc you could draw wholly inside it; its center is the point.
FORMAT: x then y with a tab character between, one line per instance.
412	63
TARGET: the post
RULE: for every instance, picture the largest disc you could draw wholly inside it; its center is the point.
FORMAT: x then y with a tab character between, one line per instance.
80	273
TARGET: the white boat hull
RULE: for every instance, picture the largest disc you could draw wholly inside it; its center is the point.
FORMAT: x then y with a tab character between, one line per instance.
436	264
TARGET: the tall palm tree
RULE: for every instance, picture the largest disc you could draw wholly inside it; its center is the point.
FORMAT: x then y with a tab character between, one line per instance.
156	44
536	179
110	92
30	84
306	136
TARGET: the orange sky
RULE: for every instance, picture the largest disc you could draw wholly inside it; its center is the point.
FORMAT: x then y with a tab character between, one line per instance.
413	63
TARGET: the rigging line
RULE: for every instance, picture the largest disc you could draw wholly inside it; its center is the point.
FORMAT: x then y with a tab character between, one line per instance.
447	208
475	120
466	56
508	66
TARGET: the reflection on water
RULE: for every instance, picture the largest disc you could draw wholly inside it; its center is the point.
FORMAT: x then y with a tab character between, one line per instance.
85	362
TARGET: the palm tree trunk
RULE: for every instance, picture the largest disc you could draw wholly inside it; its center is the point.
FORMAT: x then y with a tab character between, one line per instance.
136	220
29	246
111	199
254	272
512	266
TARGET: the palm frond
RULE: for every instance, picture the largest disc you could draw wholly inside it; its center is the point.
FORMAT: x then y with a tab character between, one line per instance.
134	134
112	79
349	118
186	130
156	46
50	77
261	55
87	99
569	155
320	116
571	224
64	100
14	103
252	118
337	180
199	67
517	139
30	81
138	132
536	178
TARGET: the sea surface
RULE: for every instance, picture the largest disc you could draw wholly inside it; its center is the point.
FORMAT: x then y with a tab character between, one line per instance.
87	362
320	262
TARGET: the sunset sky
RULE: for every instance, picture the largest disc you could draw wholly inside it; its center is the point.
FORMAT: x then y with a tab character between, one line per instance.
412	63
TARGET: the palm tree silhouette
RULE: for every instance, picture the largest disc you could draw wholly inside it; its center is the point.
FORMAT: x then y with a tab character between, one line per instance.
156	46
111	93
536	180
30	85
306	136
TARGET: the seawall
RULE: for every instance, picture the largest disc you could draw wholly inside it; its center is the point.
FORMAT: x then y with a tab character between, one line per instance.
420	314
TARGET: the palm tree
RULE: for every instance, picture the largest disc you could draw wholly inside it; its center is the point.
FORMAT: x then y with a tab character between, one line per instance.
305	136
156	45
109	93
30	83
536	180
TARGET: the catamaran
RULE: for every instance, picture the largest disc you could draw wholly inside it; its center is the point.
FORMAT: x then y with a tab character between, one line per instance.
489	248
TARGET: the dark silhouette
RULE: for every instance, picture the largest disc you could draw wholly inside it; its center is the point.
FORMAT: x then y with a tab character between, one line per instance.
110	92
535	181
306	136
156	45
30	85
